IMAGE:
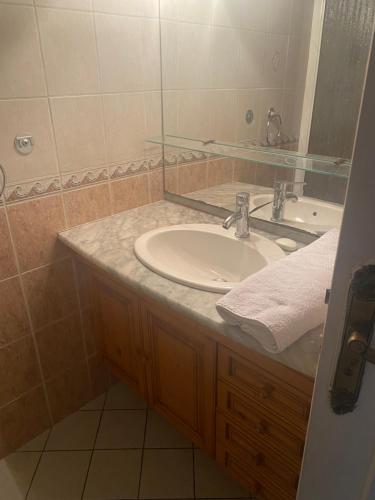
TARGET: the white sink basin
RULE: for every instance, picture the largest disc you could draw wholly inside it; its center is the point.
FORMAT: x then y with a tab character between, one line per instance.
204	256
306	213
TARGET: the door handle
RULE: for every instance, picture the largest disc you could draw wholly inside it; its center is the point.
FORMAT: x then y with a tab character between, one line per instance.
355	348
358	344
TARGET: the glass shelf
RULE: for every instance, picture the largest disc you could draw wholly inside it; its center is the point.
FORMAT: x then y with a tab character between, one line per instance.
325	165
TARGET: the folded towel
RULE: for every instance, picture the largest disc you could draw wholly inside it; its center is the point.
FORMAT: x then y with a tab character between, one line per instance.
283	301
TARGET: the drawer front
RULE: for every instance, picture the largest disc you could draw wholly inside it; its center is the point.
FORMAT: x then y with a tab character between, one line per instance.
263	388
262	463
260	423
238	468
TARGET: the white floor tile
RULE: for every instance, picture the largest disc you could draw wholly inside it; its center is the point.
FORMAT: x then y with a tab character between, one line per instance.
121	429
36	444
160	434
167	474
95	404
120	397
114	474
75	432
212	482
16	472
60	476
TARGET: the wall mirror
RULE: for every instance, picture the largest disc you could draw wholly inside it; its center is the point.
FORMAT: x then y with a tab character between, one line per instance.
258	93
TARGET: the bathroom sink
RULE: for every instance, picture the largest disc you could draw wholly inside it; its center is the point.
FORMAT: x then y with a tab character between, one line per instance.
204	256
306	213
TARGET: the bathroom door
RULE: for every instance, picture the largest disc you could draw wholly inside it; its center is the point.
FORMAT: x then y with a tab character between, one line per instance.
339	461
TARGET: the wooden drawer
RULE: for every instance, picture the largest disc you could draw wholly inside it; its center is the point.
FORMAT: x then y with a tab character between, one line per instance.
261	464
264	388
238	468
260	423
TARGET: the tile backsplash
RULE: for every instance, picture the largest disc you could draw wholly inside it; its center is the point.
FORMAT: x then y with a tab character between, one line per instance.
83	78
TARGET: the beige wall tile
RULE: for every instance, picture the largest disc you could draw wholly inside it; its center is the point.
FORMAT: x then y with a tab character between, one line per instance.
7	261
124	118
84	205
79	132
51	293
19	370
156	185
22	420
138	68
27	117
192	177
65	4
68	44
147	8
21	62
68	391
13	316
129	193
34	225
219	172
60	346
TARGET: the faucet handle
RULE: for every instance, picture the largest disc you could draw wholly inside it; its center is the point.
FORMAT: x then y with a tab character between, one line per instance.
242	199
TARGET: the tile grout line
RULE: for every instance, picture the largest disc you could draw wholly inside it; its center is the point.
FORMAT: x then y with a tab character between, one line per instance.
37	465
142	454
94	444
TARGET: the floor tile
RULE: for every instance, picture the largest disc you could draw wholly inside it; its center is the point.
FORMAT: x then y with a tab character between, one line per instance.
60	476
167	474
212	482
160	434
75	432
120	397
114	474
121	429
95	404
16	473
36	444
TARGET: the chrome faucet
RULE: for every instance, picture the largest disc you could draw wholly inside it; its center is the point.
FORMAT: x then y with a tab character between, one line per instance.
280	196
240	216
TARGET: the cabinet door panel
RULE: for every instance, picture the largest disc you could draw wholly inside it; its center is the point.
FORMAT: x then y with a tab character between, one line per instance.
119	332
182	375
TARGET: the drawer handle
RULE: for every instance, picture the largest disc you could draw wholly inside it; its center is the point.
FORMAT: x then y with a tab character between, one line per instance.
266	391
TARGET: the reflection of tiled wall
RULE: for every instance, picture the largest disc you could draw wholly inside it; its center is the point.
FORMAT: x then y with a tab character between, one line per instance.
223	57
81	77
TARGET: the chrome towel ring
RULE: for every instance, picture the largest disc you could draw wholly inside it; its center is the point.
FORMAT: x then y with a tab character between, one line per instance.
3	180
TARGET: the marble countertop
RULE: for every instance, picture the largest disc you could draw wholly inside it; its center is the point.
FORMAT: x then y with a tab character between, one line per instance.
108	243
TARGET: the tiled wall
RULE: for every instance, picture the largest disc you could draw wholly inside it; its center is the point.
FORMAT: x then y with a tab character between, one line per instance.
81	77
223	57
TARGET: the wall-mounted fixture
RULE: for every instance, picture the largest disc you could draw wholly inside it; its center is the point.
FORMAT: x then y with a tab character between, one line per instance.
24	144
249	116
3	180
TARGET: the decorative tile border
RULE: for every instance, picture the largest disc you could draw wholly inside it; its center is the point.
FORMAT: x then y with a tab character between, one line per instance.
32	189
132	167
81	179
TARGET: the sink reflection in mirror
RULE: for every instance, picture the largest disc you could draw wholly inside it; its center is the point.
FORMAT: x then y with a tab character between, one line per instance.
253	100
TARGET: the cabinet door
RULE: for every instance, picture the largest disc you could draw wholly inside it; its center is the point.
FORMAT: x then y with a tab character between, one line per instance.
181	374
118	328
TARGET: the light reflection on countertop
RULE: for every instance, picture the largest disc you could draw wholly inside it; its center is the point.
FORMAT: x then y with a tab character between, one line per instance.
108	244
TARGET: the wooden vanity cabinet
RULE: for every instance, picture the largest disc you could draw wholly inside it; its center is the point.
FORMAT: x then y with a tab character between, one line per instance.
181	373
243	408
160	355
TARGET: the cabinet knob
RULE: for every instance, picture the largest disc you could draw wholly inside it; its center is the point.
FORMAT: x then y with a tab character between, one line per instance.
261	427
266	391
